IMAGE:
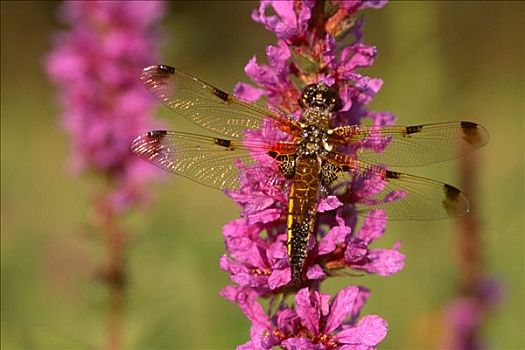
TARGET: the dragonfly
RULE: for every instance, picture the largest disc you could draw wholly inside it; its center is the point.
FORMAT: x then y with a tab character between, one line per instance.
313	156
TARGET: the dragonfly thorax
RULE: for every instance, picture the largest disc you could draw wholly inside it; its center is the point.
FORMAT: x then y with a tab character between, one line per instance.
313	141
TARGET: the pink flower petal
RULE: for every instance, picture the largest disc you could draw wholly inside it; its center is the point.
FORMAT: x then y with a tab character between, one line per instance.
252	309
328	203
340	308
279	278
307	308
277	57
360	301
265	216
299	343
247	92
335	236
373	227
370	331
385	262
315	272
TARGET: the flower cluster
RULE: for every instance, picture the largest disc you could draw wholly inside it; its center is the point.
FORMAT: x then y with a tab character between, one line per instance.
316	42
314	323
95	64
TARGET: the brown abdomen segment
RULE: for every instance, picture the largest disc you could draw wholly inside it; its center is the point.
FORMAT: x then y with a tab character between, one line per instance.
302	208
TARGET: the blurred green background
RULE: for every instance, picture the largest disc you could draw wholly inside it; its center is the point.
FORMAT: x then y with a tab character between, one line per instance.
440	61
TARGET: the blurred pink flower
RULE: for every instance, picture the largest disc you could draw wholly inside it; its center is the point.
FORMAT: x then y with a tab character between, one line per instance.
95	64
465	315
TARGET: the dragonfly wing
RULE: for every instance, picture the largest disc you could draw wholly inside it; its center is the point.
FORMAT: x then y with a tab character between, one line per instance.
207	106
401	196
211	161
415	145
409	197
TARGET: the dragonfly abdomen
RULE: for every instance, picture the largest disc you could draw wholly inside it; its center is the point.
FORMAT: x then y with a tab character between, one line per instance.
302	208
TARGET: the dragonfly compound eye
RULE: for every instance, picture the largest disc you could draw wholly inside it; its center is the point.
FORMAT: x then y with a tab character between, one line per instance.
321	97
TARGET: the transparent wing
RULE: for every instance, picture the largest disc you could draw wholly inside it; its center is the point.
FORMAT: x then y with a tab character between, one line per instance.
207	106
207	160
415	145
401	196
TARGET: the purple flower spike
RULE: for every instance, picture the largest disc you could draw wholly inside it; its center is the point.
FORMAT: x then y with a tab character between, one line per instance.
309	50
96	64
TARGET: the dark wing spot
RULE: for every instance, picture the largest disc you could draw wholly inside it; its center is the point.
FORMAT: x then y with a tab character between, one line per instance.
451	192
413	129
223	143
166	69
392	174
273	154
220	94
468	125
471	133
454	202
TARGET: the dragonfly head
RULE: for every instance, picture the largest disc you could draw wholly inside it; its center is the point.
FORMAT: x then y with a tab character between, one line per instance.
320	97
